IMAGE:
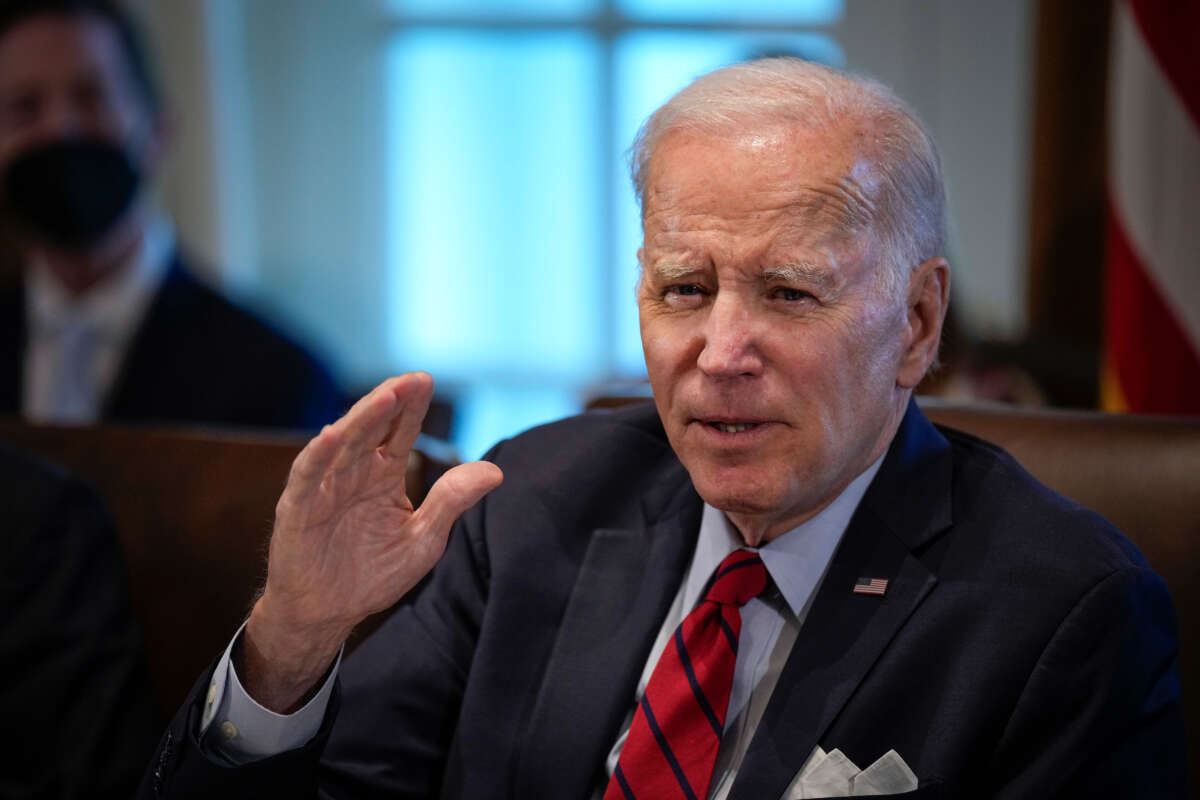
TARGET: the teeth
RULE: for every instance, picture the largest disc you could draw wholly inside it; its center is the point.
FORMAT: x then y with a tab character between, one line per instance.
726	427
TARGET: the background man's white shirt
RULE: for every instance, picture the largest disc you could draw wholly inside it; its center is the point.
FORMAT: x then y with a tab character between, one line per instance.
75	345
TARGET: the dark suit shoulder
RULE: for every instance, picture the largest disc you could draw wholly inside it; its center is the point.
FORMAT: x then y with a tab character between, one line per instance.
200	305
199	357
29	473
1091	694
1039	527
35	492
597	450
595	470
636	424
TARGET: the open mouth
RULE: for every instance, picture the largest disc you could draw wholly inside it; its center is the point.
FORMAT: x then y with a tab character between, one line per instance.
732	427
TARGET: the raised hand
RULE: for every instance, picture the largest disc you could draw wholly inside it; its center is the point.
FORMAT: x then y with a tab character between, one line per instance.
347	541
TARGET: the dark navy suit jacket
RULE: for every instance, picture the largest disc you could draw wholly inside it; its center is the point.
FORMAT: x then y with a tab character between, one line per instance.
195	358
1023	647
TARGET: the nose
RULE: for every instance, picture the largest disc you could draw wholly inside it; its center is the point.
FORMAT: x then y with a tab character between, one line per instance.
731	339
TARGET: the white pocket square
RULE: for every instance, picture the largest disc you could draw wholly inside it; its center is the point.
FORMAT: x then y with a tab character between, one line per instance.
832	774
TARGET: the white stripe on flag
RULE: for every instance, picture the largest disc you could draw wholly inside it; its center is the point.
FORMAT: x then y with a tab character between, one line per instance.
1154	169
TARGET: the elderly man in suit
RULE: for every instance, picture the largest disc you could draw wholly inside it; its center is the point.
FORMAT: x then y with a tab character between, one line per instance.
781	581
106	321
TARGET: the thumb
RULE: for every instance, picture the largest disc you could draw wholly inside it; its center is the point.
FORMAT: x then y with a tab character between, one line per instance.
455	492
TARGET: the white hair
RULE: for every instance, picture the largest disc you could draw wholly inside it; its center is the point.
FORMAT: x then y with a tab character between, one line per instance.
909	206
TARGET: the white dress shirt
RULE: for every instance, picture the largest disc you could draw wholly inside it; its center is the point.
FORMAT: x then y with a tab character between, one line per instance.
796	561
75	345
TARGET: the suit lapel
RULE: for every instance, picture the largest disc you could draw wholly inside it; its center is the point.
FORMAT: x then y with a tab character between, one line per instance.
136	390
625	586
844	634
12	356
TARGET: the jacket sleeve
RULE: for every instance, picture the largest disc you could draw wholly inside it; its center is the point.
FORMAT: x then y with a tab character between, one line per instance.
1100	714
181	768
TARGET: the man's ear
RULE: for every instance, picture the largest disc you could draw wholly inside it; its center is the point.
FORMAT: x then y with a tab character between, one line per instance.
927	301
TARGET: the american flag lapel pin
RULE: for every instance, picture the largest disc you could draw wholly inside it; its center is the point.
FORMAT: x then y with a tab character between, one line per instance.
870	586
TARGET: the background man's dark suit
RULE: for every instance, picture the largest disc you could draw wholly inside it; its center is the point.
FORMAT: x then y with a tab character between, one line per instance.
195	358
76	714
1023	646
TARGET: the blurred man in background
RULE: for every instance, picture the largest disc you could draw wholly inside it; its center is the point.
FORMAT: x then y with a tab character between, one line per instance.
106	321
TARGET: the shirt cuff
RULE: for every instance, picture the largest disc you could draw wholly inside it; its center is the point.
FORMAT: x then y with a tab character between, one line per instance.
237	729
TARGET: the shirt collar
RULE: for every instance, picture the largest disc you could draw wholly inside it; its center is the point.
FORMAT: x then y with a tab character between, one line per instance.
796	560
113	307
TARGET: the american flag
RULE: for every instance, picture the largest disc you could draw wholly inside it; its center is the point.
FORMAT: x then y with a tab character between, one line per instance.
870	586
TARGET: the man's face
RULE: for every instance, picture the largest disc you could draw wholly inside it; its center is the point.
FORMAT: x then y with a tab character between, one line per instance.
65	76
773	351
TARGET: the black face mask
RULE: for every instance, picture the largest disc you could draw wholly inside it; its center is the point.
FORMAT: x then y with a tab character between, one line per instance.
71	192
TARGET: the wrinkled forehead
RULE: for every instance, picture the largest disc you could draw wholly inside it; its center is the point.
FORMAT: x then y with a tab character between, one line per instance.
822	178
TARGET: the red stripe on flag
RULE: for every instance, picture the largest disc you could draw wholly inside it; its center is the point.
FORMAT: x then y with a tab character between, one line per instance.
1172	32
1156	367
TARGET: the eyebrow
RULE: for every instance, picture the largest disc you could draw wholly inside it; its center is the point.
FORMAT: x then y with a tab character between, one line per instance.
670	271
800	272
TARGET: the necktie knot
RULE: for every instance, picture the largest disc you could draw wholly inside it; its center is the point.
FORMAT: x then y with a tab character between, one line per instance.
740	577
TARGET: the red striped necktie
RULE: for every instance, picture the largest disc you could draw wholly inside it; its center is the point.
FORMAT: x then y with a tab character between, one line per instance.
673	742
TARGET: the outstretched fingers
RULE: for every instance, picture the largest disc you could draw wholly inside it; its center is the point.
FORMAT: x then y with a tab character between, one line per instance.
369	424
364	424
412	394
390	416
